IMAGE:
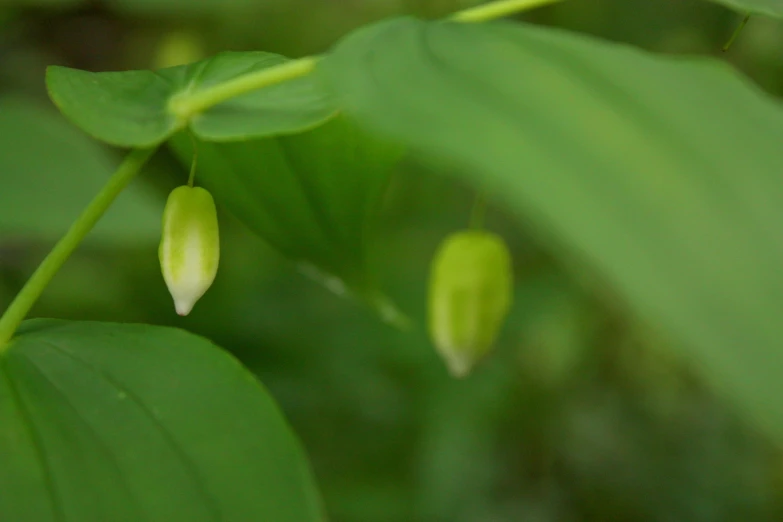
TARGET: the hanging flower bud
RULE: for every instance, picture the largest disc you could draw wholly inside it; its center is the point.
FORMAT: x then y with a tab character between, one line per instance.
189	247
470	293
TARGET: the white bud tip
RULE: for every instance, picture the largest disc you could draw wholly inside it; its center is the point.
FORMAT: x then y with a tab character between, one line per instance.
190	246
183	308
459	370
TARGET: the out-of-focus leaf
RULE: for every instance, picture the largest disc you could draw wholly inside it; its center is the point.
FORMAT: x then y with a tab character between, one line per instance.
132	422
49	171
663	174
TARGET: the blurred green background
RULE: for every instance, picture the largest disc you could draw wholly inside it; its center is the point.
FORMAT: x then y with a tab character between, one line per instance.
576	416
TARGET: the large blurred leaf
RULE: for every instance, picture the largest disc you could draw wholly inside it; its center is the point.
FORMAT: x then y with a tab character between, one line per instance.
130	108
312	195
49	171
139	423
664	174
767	7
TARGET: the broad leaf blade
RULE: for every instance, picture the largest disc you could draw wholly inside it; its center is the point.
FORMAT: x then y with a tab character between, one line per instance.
127	109
664	174
312	195
130	108
133	422
24	479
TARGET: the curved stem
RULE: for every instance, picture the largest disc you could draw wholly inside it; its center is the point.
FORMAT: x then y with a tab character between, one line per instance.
25	300
478	211
736	32
192	176
186	105
499	9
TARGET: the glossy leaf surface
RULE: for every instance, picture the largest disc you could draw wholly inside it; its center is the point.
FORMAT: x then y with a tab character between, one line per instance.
140	423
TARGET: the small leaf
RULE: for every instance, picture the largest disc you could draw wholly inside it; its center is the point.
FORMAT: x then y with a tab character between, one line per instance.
131	422
49	171
130	108
312	196
663	174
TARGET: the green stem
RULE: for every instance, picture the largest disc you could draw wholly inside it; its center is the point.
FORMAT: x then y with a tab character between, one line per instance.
736	32
25	300
499	9
186	105
478	211
192	176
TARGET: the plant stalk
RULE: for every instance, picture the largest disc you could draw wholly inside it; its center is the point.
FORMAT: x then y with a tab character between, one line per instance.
499	9
736	32
478	211
187	105
24	301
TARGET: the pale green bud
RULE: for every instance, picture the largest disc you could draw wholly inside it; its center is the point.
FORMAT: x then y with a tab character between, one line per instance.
471	288
190	246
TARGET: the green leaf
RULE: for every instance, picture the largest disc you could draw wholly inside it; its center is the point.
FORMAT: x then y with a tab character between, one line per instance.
130	108
772	8
138	423
50	171
663	174
312	195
